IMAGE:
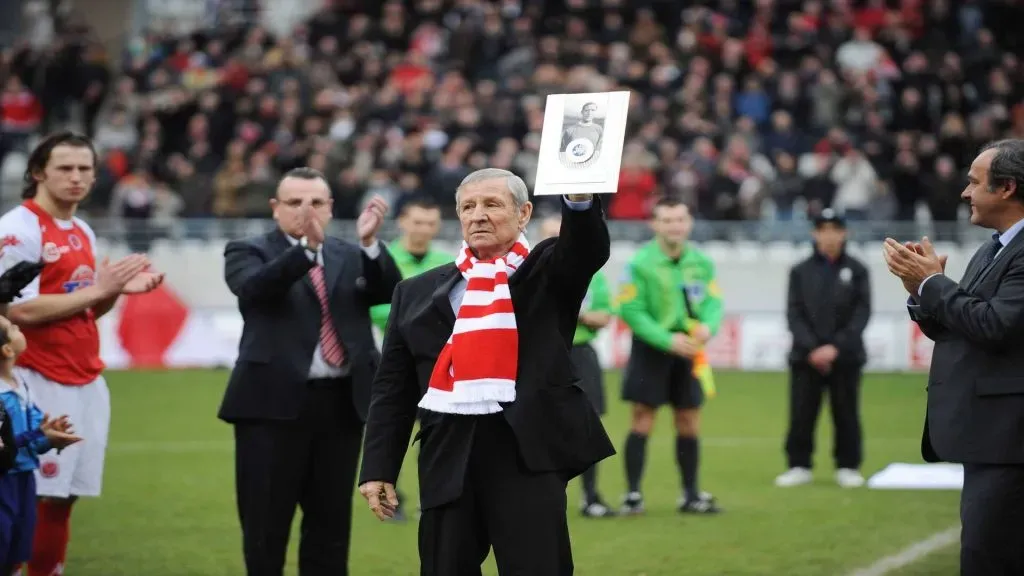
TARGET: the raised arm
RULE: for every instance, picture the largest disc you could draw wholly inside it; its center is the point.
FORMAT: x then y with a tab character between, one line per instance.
257	281
381	273
583	244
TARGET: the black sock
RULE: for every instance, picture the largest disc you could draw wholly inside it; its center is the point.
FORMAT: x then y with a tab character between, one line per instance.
589	478
688	457
636	451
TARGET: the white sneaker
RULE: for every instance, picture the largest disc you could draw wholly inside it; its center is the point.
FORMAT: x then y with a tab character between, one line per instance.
849	478
794	477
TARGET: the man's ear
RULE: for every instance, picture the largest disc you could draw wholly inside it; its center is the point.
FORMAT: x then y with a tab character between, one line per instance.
7	351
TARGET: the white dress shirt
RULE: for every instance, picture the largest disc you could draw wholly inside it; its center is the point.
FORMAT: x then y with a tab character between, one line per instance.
319	368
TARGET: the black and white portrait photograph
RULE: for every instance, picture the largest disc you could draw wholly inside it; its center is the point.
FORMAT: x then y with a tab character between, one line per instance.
581	144
582	132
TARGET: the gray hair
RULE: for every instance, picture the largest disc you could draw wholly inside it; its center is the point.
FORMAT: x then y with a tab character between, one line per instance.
515	184
1007	165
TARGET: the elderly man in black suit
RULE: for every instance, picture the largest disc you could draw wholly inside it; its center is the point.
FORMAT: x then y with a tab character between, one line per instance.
300	390
975	413
481	347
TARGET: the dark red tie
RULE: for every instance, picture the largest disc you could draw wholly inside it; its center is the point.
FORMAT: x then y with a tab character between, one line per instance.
330	344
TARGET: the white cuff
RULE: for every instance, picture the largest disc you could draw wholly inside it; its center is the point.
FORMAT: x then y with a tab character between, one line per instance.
921	287
578	206
372	251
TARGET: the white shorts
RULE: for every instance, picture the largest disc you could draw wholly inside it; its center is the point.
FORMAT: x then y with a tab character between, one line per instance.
78	469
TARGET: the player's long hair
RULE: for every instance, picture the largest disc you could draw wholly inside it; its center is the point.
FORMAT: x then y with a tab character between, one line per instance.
40	157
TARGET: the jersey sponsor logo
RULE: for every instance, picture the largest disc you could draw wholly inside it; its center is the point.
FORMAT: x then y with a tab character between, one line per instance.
75	241
82	277
714	290
51	253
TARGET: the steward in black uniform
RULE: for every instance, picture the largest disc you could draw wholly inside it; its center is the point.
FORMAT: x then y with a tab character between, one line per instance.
827	310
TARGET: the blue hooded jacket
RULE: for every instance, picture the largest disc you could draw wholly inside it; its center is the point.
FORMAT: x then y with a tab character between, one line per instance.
25	418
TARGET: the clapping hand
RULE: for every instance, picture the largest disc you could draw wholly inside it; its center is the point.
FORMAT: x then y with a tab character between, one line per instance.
912	262
312	229
370	220
59	432
113	278
16	278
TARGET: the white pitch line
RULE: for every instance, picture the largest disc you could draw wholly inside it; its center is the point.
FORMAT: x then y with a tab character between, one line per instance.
207	446
911	554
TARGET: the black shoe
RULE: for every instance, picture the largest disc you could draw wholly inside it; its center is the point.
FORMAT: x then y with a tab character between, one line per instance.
704	504
596	509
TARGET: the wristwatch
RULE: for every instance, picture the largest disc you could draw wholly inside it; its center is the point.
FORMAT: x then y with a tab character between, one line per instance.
304	242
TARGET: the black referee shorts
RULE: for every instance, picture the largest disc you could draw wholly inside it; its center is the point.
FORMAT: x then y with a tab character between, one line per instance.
655	378
588	369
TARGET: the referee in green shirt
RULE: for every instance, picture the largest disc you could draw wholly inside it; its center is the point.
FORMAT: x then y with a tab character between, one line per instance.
595	313
672	303
419	222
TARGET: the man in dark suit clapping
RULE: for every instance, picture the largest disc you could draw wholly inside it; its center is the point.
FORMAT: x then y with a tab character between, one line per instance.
300	390
975	413
482	347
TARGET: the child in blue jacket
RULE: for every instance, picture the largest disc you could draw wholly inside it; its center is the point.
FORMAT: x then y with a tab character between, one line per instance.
34	433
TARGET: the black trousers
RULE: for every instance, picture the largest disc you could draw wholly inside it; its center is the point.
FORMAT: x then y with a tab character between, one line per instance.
521	514
310	462
992	516
806	388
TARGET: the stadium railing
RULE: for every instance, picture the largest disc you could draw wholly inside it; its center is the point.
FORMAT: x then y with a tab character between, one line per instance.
772	231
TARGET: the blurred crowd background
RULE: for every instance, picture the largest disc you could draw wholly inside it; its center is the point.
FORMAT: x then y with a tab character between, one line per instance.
749	110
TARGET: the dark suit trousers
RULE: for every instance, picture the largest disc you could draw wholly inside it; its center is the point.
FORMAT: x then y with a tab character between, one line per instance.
992	516
806	387
521	514
310	462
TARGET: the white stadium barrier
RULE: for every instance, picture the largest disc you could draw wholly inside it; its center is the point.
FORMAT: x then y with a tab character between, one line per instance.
195	323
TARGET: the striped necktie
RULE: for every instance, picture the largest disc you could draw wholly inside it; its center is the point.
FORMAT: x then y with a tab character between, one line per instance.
330	344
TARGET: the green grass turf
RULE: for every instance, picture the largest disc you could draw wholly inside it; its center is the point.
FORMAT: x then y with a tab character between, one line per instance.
168	500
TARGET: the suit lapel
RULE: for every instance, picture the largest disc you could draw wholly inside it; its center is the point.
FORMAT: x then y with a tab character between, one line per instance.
971	273
445	282
334	263
1007	252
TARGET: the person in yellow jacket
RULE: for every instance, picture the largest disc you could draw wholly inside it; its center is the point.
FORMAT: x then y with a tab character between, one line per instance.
671	302
595	314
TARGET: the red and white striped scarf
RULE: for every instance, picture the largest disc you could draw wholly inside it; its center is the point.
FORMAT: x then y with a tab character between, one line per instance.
477	366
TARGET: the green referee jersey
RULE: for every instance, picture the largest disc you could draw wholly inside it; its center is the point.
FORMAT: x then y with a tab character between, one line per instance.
651	297
408	266
596	300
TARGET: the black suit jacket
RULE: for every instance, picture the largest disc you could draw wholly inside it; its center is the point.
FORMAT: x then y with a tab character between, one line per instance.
281	313
975	412
826	307
555	425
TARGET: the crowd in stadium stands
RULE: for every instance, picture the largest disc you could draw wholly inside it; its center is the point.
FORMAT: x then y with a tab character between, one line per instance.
744	109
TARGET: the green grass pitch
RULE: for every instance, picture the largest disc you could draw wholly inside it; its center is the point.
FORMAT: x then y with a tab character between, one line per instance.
168	500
